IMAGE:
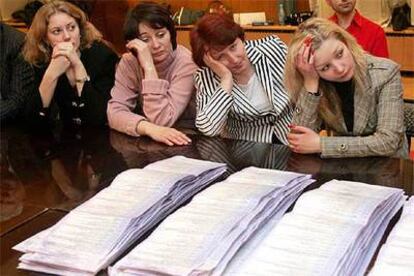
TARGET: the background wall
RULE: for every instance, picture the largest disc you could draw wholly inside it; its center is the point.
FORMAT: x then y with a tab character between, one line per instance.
270	7
7	7
377	10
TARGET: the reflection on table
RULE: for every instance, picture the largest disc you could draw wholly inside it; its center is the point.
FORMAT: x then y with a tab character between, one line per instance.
45	173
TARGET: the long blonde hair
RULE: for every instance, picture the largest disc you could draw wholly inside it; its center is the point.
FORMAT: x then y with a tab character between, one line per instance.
37	50
320	30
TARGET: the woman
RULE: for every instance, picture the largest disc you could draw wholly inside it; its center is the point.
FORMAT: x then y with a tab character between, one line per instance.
358	96
240	91
153	83
74	69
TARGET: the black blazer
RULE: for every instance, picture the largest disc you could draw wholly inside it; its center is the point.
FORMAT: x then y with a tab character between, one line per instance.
89	109
16	75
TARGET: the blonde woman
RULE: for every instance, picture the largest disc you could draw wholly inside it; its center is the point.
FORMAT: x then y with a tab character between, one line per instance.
334	83
74	69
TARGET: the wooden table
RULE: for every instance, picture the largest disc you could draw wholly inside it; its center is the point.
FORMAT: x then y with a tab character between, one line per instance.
46	175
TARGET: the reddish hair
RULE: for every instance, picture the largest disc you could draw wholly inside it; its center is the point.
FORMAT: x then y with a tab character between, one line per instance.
213	31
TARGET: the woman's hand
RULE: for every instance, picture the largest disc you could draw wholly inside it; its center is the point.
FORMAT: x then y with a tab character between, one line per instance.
219	69
76	71
166	135
304	62
57	67
304	140
67	50
143	54
216	66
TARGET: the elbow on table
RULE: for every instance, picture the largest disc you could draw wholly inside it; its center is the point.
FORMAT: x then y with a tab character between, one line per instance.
391	144
207	130
115	119
162	118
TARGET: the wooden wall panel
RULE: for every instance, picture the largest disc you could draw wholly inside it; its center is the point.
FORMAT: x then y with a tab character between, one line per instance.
108	17
395	48
285	37
183	38
270	7
400	48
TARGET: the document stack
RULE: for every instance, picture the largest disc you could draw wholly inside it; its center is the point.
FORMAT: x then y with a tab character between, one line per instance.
91	236
202	237
397	254
333	230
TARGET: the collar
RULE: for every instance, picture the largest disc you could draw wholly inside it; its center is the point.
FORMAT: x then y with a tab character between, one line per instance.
252	53
357	19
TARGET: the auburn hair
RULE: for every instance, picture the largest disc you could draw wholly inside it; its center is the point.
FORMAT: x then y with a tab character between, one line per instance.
213	31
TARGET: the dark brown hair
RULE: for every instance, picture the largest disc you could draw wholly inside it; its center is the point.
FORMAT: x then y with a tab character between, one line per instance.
156	15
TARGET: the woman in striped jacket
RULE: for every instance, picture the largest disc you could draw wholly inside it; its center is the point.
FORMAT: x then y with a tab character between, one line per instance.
240	91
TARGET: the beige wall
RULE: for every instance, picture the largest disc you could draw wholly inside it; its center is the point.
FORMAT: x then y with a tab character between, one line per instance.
412	12
376	10
7	7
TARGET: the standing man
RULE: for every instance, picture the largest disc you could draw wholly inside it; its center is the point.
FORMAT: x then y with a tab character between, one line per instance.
368	34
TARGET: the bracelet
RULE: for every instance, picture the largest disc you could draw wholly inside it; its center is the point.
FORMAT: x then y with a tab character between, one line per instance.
317	93
84	79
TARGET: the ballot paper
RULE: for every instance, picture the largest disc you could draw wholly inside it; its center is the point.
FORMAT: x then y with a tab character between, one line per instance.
91	236
396	256
202	237
333	230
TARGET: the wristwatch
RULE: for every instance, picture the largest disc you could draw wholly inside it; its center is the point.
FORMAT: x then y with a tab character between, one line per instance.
84	79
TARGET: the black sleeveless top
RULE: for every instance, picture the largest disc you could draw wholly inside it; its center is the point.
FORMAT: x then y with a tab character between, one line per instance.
345	92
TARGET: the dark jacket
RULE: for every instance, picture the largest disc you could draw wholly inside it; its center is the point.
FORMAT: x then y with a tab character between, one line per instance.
88	109
16	75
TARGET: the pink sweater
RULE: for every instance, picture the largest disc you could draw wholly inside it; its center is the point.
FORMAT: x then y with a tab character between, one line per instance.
163	101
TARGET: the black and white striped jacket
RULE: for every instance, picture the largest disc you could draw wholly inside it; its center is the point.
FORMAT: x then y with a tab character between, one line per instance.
233	115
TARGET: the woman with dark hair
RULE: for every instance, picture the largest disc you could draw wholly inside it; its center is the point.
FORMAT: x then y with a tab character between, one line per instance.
240	92
332	81
74	68
154	81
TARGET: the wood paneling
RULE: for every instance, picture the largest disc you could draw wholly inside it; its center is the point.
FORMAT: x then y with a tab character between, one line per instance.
270	7
400	46
108	16
183	38
408	86
286	37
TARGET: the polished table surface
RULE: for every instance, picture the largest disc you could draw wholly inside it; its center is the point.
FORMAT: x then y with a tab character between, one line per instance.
45	175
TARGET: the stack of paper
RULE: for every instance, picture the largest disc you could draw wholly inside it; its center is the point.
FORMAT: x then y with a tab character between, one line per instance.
94	234
333	230
203	236
397	254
